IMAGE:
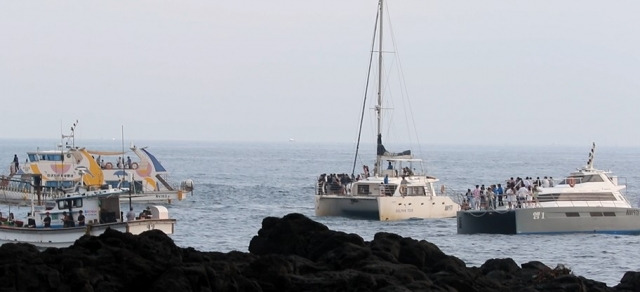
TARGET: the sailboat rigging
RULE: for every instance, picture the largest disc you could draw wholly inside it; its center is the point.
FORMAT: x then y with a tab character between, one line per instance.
399	191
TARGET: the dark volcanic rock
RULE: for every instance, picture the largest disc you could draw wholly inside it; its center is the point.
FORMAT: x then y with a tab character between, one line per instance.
293	253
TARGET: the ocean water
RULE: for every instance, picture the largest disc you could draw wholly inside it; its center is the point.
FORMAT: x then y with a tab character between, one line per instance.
239	184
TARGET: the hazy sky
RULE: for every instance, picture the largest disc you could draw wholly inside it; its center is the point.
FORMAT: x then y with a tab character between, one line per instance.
476	72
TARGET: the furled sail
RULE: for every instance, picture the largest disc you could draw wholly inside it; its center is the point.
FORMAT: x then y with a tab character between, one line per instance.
383	152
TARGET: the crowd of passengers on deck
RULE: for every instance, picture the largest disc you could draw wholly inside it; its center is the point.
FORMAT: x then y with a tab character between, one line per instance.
121	163
517	193
336	183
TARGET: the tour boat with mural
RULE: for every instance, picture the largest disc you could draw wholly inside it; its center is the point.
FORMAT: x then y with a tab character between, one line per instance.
62	168
587	200
58	224
397	188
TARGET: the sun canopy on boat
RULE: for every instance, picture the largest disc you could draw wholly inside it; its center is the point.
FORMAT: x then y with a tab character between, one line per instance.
105	152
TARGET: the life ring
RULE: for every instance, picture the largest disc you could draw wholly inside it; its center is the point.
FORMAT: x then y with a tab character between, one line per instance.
403	190
134	165
572	182
109	165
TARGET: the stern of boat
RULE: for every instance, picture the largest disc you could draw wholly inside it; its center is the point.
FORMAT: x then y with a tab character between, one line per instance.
411	207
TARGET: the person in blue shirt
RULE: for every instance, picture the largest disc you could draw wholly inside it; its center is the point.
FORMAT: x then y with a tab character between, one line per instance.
499	192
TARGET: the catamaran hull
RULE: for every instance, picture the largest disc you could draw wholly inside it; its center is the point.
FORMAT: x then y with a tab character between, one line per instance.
386	208
65	237
550	220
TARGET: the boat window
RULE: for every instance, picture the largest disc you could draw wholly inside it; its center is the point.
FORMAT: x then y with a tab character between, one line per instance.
52	157
363	190
596	214
33	157
63	204
415	191
77	202
572	179
592	178
609	214
572	214
606	196
59	184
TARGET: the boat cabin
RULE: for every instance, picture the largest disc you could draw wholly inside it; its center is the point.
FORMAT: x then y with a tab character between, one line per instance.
100	206
589	177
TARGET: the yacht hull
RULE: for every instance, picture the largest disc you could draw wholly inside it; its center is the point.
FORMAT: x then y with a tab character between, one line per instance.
550	220
386	208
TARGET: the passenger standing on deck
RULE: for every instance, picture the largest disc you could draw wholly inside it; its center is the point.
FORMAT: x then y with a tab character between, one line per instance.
511	198
67	221
491	197
476	198
389	166
119	163
128	162
131	215
80	218
522	196
16	163
469	196
499	193
483	198
530	196
545	182
47	220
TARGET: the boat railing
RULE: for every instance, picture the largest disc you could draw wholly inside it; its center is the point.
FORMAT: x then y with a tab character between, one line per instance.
457	196
328	188
16	186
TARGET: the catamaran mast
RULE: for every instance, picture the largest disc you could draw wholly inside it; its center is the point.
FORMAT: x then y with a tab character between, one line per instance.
379	105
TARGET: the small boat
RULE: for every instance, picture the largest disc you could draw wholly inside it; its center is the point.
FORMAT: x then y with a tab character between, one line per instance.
399	190
588	200
101	210
140	171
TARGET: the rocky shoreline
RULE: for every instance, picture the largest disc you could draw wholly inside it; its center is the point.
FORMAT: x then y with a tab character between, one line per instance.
293	253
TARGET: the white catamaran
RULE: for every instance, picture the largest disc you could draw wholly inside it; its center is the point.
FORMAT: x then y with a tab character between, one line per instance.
396	189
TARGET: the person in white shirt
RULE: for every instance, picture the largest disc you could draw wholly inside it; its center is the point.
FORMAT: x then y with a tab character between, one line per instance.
545	182
131	215
511	198
522	196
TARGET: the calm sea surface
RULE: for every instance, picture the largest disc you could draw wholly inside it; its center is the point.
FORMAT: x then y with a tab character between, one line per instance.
239	184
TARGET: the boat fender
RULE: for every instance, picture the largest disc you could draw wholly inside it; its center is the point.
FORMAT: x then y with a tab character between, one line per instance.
572	182
109	165
134	165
